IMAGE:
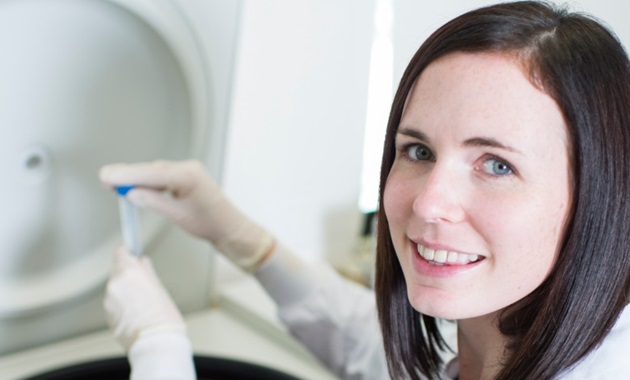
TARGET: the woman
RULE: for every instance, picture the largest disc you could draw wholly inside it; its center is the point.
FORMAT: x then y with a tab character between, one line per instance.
581	265
501	207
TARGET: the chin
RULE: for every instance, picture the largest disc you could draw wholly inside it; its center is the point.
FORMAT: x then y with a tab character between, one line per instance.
433	309
452	310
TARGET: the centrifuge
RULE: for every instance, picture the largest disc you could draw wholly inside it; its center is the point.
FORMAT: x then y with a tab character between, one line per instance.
90	82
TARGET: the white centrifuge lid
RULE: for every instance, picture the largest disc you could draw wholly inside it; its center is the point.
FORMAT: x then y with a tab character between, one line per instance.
84	83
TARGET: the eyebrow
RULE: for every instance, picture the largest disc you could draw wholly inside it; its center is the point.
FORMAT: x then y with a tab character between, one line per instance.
471	142
414	133
489	142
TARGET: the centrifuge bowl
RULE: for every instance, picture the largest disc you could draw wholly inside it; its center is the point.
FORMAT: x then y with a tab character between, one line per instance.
208	368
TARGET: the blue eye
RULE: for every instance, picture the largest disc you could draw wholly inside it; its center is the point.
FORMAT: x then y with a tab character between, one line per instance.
419	153
496	167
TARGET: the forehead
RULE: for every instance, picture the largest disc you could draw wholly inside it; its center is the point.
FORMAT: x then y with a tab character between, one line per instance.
481	93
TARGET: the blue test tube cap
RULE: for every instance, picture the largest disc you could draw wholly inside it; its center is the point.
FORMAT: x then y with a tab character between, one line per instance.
123	190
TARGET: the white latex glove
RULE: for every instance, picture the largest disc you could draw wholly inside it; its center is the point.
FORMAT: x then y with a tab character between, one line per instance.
194	202
136	303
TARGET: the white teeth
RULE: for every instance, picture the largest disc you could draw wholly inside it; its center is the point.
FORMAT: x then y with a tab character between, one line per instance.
428	253
440	256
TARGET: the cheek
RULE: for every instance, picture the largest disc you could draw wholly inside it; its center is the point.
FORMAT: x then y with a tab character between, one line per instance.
397	200
524	233
390	202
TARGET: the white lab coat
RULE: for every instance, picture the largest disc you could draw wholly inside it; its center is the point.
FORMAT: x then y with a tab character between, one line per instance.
334	318
337	321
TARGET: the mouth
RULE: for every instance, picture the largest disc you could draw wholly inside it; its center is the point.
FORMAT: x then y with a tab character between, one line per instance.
440	257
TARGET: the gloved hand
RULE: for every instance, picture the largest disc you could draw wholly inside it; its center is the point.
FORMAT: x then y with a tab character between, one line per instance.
196	204
136	303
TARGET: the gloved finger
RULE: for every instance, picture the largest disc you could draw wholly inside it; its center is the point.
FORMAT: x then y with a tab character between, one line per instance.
149	270
142	174
193	215
121	275
131	274
158	202
174	176
123	259
119	260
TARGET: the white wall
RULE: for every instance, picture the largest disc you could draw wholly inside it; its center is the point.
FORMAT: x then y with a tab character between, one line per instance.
297	119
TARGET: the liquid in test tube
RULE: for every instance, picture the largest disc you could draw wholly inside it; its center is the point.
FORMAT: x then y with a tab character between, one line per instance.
129	221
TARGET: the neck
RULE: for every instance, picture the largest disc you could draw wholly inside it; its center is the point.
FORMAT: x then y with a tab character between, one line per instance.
480	348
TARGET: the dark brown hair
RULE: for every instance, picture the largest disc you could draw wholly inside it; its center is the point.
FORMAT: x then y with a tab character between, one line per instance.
581	64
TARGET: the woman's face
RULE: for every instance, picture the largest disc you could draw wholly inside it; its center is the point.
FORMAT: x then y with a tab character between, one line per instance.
478	194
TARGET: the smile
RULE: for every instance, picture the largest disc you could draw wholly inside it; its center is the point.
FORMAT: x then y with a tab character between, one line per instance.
444	257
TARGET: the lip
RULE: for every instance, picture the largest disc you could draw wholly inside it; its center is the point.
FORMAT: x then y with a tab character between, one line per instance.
426	269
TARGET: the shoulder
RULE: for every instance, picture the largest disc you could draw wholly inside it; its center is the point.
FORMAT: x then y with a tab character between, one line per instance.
610	359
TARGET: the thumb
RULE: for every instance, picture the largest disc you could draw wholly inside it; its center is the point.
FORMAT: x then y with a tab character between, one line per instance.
148	268
157	201
187	213
123	259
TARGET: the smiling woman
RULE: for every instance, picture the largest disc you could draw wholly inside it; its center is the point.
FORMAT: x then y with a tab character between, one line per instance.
498	175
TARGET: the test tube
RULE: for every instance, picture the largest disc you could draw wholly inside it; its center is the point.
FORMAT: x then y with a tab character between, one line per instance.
129	223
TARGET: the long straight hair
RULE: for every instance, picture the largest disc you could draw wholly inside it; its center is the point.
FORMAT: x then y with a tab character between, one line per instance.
583	67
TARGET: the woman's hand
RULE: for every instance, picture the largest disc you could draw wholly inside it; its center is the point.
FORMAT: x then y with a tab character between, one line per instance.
184	193
136	302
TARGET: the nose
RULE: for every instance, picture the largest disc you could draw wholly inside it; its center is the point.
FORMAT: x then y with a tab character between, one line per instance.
440	196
